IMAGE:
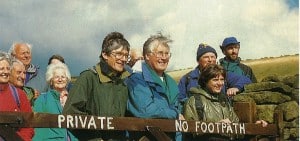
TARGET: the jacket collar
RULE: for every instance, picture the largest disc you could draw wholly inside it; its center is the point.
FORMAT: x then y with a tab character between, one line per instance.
168	87
32	68
195	73
221	98
225	60
105	78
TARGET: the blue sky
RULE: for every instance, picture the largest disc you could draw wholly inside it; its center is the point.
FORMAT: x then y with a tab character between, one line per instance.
75	29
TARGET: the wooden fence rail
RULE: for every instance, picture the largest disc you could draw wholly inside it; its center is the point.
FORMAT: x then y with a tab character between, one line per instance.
10	120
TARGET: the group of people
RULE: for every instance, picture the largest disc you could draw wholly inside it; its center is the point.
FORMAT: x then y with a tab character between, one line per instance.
125	82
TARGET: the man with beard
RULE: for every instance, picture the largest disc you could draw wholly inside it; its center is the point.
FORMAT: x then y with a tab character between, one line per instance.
232	62
207	55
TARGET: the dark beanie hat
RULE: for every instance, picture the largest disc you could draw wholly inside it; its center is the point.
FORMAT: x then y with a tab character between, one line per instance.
204	48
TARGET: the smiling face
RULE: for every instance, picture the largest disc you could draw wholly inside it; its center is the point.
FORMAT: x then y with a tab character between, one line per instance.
23	53
232	51
215	84
159	58
116	59
17	76
4	71
59	80
206	59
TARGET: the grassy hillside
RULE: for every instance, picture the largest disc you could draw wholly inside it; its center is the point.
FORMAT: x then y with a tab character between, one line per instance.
281	66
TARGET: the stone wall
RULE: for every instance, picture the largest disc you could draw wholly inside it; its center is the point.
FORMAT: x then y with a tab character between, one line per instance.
276	93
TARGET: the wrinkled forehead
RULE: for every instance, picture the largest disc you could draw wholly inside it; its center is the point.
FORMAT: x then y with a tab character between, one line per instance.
19	66
22	48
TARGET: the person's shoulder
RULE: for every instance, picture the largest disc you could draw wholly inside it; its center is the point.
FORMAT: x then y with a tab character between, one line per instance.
195	90
170	78
191	73
136	76
242	65
89	71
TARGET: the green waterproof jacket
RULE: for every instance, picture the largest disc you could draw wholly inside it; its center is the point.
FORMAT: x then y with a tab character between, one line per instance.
208	107
96	94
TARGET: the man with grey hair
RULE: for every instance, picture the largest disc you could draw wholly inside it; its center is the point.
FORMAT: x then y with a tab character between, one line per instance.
34	77
17	78
152	92
12	98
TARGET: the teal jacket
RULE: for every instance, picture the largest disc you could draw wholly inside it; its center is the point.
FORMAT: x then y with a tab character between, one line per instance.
238	68
49	102
150	97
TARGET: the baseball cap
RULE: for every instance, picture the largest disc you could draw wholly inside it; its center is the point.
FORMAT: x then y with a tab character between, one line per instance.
229	40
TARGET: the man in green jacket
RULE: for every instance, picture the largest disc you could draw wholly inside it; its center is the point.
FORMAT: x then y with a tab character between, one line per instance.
232	62
100	90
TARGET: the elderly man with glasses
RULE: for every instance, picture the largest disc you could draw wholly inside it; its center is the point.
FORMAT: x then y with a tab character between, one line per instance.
152	92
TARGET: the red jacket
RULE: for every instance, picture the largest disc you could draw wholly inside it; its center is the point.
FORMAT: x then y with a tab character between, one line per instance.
9	103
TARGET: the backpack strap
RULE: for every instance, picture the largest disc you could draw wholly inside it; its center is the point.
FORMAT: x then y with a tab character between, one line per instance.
187	81
15	95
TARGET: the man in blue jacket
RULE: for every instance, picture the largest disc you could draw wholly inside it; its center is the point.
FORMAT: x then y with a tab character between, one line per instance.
152	92
208	55
34	76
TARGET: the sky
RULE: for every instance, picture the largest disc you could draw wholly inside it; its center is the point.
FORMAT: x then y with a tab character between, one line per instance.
75	29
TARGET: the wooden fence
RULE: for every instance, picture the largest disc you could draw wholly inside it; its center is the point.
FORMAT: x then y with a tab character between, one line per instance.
157	127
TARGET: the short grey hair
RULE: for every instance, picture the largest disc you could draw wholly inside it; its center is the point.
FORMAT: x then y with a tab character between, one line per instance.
12	50
113	41
53	67
5	56
155	41
16	61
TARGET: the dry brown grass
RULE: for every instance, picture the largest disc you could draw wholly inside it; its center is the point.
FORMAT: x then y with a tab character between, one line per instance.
281	66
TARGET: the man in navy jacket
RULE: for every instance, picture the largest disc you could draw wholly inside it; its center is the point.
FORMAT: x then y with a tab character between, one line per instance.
208	55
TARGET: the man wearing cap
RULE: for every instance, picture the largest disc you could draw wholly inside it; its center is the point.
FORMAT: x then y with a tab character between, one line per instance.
207	55
231	62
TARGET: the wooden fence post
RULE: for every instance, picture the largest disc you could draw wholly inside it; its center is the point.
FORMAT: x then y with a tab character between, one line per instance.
278	119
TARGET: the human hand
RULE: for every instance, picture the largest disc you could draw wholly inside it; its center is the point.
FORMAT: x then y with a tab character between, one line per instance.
225	120
262	122
232	91
36	94
181	117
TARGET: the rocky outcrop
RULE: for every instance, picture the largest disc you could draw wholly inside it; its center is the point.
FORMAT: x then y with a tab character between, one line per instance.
276	93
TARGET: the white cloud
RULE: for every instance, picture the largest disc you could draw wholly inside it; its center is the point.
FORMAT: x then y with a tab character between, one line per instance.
76	28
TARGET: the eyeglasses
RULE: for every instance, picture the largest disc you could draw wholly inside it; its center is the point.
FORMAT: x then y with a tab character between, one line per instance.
60	77
120	55
162	54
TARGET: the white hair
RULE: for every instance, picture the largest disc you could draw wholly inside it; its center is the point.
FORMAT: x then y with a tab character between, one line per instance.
53	67
12	50
16	61
5	56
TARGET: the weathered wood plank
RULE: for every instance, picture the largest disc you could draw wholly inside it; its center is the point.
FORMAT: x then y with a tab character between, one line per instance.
246	111
130	123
